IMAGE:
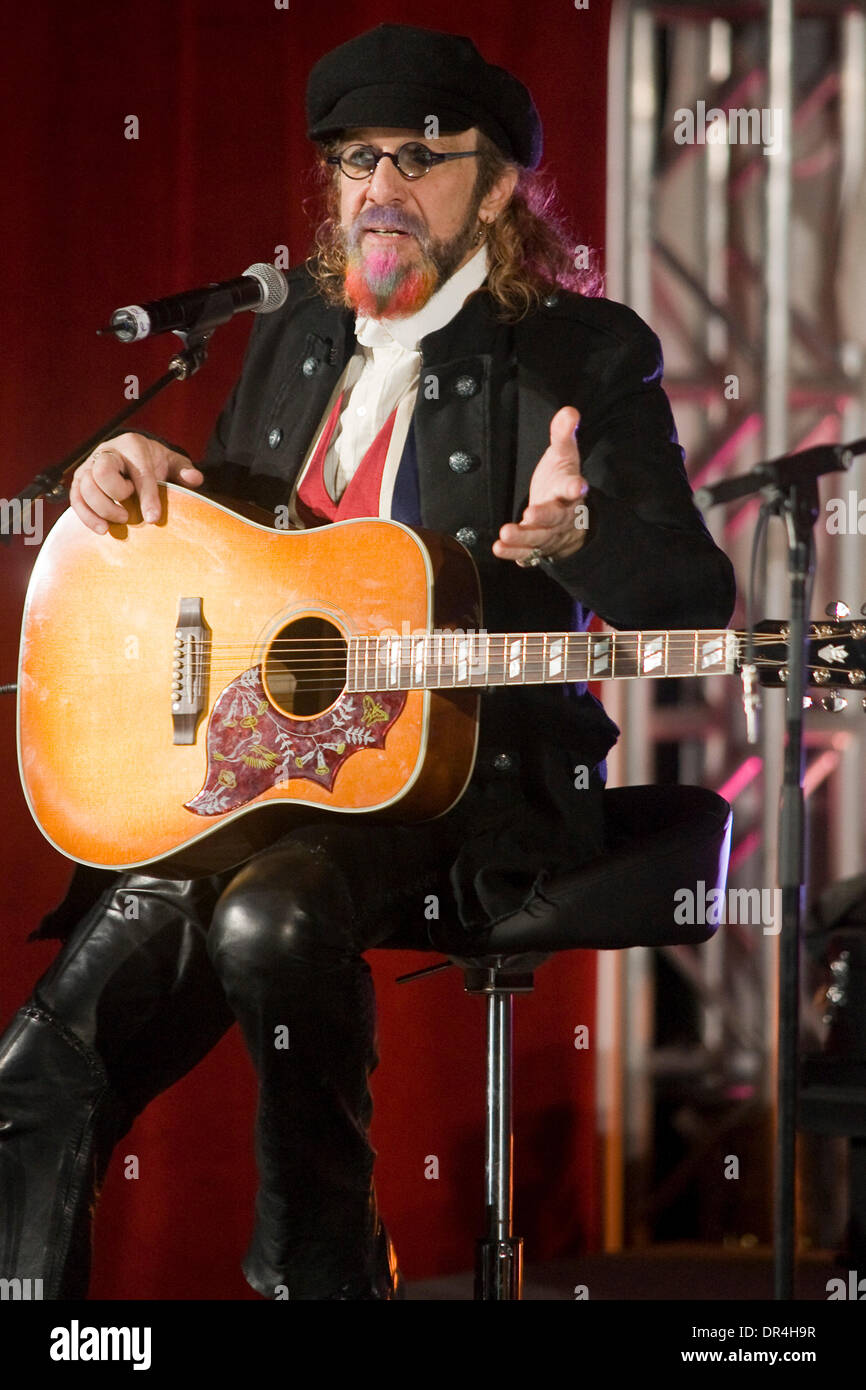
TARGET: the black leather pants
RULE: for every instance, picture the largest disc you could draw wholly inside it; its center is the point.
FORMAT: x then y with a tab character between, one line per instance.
150	980
129	1005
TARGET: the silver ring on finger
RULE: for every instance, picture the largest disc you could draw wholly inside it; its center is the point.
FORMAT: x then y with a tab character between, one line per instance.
101	449
534	557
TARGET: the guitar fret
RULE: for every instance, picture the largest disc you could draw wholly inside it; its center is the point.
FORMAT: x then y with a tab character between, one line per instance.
577	656
627	652
446	659
419	664
653	660
513	659
713	650
495	662
534	669
462	665
479	658
600	664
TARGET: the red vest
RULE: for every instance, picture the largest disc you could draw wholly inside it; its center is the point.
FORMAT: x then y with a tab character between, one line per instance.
361	496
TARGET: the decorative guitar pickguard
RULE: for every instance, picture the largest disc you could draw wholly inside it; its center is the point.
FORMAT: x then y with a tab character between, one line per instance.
251	746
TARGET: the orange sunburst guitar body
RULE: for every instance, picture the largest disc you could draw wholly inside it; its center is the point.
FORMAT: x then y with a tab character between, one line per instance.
190	689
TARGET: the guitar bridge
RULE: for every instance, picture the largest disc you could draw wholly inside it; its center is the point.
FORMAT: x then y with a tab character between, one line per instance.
189	669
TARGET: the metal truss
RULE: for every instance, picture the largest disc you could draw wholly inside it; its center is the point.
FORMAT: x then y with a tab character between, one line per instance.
747	265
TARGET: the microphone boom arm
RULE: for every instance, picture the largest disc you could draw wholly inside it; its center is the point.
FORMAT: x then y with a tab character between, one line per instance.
49	482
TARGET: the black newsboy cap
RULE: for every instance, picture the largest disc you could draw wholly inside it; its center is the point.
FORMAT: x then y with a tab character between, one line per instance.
399	75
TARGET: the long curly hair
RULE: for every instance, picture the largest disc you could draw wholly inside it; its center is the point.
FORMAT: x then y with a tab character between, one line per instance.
530	249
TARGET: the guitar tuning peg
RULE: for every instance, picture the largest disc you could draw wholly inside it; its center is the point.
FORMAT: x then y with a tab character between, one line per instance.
833	703
839	610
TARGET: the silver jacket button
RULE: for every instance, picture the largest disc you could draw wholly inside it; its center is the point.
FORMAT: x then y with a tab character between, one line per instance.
309	366
503	762
461	462
275	438
466	386
467	536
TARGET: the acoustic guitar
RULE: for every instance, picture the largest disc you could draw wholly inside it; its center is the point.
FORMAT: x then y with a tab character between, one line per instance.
188	687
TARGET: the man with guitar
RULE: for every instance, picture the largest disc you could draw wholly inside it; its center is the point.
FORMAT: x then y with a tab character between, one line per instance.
436	363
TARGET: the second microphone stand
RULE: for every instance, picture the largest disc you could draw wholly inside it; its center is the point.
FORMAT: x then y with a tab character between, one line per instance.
790	489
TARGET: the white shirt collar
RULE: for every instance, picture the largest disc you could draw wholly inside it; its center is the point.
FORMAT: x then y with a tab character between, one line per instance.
439	309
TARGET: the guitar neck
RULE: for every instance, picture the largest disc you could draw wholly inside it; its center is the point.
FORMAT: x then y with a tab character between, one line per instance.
448	660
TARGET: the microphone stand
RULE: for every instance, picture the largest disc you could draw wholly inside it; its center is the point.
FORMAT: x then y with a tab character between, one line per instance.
790	488
49	483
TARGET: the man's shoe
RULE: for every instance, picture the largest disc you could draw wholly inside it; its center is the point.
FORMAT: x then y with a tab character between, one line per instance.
386	1281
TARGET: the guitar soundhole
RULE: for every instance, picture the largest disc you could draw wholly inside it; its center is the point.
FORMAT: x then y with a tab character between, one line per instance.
304	671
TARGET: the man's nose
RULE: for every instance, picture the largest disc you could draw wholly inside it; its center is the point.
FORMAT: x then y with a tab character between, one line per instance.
387	184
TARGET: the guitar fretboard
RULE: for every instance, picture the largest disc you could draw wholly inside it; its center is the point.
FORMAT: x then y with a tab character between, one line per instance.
446	660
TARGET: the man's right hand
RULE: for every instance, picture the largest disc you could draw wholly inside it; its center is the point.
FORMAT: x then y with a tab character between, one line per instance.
130	464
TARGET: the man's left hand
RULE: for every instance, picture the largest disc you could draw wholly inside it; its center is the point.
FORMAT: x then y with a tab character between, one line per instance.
553	524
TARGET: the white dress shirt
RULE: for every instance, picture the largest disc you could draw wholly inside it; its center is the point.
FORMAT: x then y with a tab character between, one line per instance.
384	373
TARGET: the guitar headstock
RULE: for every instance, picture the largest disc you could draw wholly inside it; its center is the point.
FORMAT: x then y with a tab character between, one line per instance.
835	658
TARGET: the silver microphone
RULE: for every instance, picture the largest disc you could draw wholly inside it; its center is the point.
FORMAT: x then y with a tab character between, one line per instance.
262	288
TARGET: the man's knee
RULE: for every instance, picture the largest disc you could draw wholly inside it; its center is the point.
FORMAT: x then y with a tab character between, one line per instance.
288	906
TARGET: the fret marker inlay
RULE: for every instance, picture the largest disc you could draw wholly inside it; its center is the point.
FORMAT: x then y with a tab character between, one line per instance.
712	652
653	654
600	655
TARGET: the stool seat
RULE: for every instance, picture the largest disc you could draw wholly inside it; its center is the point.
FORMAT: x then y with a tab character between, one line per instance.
659	841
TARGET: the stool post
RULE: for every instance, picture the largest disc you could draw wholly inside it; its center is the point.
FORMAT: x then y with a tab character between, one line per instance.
499	1265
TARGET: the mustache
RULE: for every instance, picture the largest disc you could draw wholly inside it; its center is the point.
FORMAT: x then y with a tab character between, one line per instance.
391	219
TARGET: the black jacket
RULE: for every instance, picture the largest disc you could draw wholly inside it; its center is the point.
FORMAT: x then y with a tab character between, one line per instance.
648	560
487	393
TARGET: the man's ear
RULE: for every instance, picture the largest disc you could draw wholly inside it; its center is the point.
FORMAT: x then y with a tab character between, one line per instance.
500	194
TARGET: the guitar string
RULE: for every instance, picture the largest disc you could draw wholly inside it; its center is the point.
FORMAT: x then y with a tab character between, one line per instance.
682	637
379	653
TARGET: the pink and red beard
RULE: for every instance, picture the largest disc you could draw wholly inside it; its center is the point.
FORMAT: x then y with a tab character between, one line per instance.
380	284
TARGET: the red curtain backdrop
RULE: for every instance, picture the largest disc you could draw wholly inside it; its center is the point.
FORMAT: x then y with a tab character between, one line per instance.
217	179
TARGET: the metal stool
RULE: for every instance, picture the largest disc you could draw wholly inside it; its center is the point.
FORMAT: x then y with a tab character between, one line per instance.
660	840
